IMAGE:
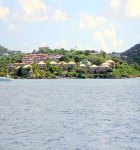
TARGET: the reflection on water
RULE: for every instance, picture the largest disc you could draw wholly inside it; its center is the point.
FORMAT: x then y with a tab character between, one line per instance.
70	114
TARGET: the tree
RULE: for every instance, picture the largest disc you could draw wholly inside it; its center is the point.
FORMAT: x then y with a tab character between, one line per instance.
55	69
87	52
79	58
98	60
103	54
80	70
65	58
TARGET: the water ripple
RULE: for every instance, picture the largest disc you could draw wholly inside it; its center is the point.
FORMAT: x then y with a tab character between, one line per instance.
70	115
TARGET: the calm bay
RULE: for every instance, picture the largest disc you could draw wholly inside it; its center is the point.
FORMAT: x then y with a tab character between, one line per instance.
70	114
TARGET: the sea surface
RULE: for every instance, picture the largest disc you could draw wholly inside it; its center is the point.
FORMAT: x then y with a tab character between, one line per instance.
67	114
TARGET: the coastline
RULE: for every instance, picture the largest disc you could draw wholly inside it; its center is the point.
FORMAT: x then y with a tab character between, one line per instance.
68	78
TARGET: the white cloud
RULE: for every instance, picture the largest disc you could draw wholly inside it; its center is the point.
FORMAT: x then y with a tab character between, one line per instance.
89	22
43	44
13	29
100	39
26	47
59	1
138	38
35	10
124	8
130	31
60	16
105	32
4	12
115	8
132	8
116	4
108	40
61	44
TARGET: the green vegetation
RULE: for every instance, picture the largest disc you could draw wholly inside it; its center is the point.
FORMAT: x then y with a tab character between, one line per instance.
132	55
5	60
8	56
123	69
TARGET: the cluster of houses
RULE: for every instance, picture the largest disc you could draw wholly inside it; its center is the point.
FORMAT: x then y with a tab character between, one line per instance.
36	58
40	60
109	64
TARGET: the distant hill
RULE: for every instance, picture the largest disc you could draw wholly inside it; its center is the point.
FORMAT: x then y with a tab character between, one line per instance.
6	52
132	55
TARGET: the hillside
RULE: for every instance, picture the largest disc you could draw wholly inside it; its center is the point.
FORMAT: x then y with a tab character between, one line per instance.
8	56
132	55
6	52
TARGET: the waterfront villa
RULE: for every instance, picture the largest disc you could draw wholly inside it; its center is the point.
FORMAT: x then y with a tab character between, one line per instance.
85	62
72	63
41	65
110	64
62	63
53	63
83	66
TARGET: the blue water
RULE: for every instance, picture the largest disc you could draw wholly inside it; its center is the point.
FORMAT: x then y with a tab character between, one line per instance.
70	114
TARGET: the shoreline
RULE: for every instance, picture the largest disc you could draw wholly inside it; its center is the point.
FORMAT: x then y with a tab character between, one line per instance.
68	78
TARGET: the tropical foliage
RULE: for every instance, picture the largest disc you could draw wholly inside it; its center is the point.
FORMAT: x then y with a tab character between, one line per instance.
122	69
132	55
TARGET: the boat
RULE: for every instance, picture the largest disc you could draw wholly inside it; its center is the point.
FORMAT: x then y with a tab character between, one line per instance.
7	78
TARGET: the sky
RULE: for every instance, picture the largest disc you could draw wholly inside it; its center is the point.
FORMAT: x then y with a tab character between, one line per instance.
109	25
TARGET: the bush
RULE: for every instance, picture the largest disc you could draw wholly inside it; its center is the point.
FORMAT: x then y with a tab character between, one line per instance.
55	69
80	70
90	75
96	75
71	74
83	76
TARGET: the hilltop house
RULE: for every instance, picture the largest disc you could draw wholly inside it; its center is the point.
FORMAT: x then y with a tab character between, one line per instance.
36	58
